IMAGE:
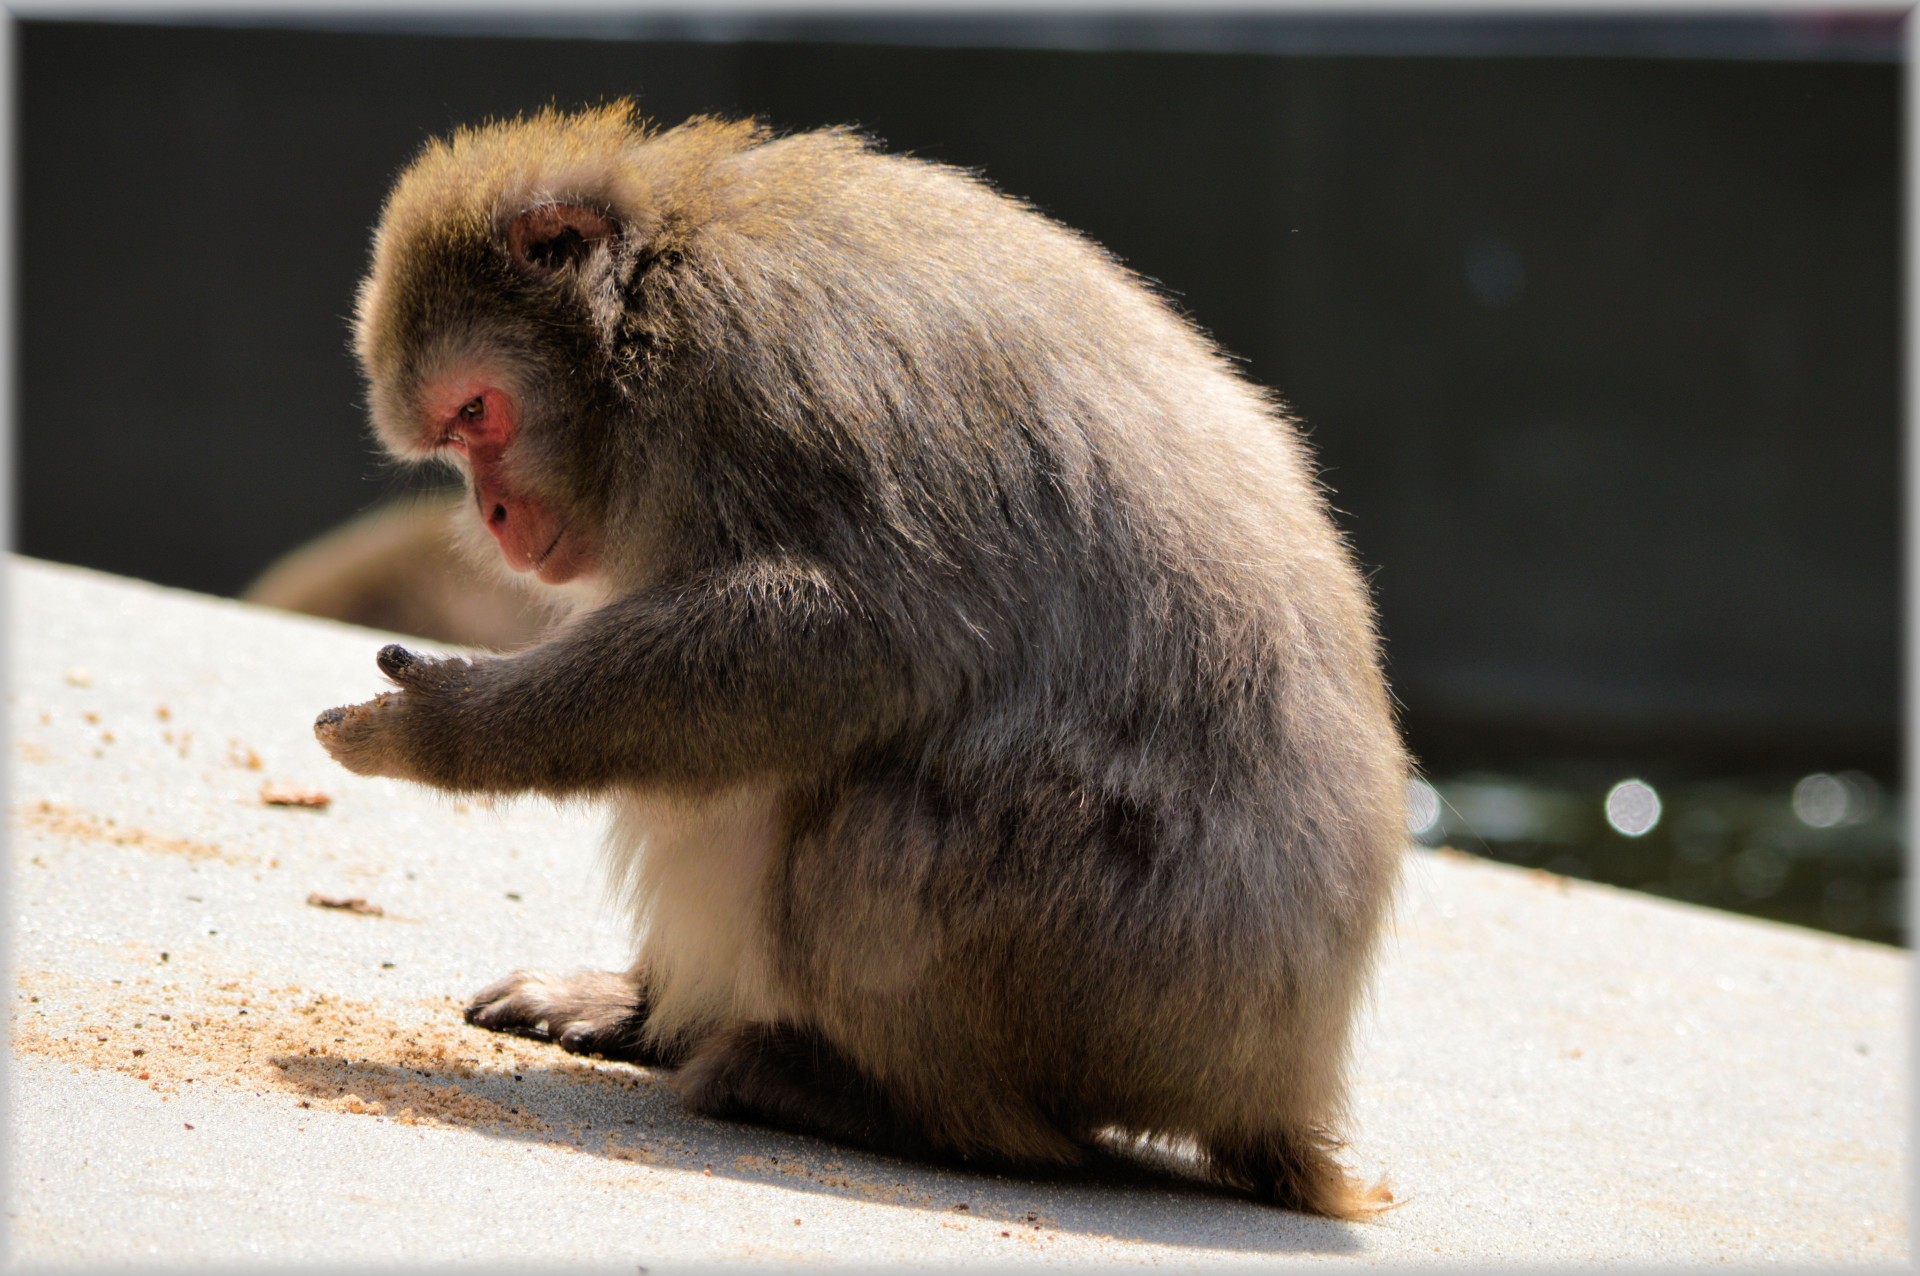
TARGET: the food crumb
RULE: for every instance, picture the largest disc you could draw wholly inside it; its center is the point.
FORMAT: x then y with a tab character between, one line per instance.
274	794
79	677
91	718
353	904
188	1124
163	713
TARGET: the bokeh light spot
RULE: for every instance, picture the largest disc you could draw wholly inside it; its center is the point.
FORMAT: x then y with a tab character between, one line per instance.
1633	807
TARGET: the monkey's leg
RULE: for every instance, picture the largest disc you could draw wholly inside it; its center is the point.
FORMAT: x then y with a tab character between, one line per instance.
594	1012
1295	1170
793	1078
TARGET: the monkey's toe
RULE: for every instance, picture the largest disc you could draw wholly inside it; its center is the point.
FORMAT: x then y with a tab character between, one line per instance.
593	1012
520	1003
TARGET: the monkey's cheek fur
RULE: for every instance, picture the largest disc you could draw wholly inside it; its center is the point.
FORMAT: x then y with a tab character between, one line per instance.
358	738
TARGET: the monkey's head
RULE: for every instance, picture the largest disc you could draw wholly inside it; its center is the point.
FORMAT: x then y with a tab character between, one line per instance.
494	328
658	351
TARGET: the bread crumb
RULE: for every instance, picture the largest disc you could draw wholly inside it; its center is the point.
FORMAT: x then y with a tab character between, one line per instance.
352	904
275	794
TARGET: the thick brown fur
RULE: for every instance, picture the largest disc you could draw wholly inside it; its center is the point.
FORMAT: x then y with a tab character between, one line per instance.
991	712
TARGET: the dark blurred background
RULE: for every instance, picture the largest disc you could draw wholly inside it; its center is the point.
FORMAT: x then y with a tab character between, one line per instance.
1596	325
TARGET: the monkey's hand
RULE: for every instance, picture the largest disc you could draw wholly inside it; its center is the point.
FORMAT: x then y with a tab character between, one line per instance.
392	734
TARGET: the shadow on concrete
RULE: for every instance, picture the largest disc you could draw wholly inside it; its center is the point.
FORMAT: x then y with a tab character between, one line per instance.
629	1114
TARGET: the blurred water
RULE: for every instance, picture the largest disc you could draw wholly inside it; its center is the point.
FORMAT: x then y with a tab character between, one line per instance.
1822	850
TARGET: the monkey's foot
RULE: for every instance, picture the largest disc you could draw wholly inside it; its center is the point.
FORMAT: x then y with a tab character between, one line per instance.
601	1012
793	1078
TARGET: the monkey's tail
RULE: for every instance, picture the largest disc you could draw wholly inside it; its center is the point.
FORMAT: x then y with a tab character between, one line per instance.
1295	1170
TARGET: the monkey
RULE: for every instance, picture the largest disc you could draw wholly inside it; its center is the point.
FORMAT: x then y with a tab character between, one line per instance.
991	714
398	567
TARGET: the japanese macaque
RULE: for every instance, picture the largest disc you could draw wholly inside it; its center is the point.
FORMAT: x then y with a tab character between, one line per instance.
991	713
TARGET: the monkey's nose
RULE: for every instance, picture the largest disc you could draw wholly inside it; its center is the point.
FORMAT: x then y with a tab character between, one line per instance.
499	516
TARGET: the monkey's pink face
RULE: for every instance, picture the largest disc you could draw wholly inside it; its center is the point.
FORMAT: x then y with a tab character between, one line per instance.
476	418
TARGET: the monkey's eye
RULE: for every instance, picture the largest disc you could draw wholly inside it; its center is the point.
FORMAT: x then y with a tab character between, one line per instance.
474	408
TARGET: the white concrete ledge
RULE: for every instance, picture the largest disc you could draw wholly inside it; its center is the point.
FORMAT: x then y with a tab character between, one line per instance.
207	1067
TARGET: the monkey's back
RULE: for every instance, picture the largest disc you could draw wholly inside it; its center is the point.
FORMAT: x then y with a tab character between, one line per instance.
1125	860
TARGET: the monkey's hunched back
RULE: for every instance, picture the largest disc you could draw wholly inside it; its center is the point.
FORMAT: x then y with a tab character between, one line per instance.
992	712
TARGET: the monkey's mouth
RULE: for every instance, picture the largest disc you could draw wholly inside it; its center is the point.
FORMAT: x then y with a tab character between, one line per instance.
568	555
552	545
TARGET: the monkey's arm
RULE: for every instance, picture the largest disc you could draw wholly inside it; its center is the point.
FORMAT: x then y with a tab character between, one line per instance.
695	681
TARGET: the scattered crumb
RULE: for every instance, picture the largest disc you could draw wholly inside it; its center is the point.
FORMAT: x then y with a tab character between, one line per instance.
355	904
831	1175
30	752
163	713
241	756
318	1050
276	794
67	823
91	718
79	677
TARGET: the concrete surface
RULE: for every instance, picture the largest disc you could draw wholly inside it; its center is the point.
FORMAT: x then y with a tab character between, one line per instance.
207	1067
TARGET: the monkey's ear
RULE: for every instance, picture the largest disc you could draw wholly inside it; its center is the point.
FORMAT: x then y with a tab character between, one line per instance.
549	237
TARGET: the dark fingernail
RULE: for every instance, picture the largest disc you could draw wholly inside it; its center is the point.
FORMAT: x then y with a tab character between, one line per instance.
393	658
330	717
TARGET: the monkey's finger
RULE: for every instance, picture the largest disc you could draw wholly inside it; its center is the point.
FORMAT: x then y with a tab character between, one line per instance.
412	671
330	727
397	662
352	734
